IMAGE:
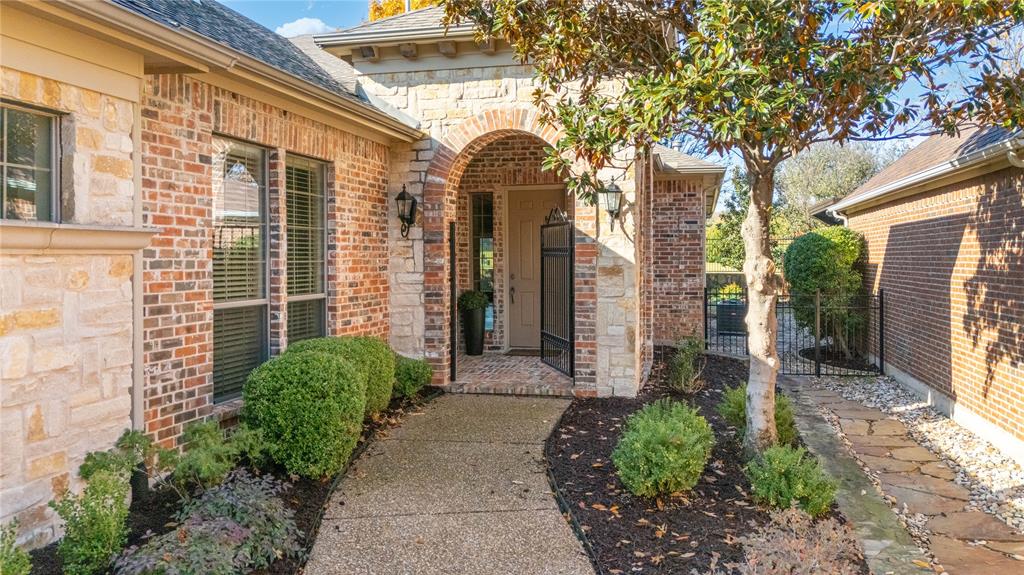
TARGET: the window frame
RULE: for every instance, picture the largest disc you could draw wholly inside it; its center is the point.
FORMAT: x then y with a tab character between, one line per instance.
56	149
265	243
322	165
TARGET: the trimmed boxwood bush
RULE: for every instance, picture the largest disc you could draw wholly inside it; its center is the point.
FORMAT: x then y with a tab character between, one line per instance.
95	523
411	375
783	475
733	408
309	407
664	449
370	355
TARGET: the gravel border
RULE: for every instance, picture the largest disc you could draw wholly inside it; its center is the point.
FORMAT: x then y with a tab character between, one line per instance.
995	481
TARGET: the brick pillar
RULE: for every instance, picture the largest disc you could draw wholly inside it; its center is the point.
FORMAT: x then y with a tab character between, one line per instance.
277	238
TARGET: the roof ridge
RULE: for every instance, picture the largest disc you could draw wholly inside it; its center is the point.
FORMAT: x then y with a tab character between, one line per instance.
393	17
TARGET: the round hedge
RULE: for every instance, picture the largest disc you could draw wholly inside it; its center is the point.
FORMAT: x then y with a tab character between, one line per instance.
309	407
411	375
663	449
370	355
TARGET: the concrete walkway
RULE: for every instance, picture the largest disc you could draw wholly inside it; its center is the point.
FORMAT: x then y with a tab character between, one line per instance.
459	489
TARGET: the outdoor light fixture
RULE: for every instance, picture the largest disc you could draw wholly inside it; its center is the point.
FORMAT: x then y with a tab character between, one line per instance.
406	210
610	198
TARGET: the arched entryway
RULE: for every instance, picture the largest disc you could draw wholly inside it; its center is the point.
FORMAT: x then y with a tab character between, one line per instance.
489	164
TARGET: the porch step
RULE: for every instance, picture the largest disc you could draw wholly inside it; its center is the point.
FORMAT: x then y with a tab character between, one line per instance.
562	389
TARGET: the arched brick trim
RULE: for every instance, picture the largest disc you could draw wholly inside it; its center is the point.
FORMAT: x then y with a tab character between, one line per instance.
440	192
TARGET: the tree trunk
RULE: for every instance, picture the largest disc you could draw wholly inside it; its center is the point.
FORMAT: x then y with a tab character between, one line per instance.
762	325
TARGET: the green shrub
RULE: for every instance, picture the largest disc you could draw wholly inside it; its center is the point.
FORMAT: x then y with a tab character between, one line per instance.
370	355
687	366
309	407
236	527
13	559
782	475
825	261
210	454
473	300
131	449
663	449
94	523
411	375
733	408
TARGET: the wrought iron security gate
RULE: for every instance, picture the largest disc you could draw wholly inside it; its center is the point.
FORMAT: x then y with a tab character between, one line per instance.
817	334
556	303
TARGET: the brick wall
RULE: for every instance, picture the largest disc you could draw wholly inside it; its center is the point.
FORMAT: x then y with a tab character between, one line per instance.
180	116
677	269
951	265
511	161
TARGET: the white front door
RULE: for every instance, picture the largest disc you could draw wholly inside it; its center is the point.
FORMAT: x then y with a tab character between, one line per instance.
526	212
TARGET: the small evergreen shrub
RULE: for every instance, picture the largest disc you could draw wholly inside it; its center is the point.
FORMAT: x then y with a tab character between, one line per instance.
370	355
235	527
687	366
13	559
211	453
131	449
94	523
733	408
663	449
470	300
309	407
782	475
411	375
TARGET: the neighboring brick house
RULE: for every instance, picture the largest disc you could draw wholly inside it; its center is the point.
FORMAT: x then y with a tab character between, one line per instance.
944	227
185	192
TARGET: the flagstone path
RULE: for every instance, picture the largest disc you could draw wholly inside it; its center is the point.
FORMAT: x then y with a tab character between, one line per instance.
459	489
963	541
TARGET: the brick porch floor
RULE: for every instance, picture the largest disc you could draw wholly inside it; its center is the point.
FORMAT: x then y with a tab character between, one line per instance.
509	375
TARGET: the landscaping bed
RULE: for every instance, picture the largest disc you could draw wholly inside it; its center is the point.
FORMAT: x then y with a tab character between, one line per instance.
243	498
694	530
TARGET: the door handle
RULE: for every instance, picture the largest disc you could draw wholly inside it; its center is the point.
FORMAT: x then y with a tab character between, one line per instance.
512	294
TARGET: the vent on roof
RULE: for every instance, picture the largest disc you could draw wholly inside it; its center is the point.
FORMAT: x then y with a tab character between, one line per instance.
370	53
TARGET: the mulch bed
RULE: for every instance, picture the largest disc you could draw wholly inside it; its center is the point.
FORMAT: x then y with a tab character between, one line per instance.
153	511
677	534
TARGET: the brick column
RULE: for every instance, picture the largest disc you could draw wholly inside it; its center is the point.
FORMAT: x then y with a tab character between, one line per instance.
277	260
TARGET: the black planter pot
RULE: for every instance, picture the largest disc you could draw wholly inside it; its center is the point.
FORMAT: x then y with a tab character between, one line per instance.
473	328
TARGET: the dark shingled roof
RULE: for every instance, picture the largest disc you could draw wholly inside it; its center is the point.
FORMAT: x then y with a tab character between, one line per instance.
936	150
430	17
225	26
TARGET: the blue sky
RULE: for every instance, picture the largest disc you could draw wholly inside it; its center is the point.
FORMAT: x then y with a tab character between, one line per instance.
294	17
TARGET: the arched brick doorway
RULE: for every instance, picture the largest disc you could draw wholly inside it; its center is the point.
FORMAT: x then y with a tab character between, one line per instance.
440	195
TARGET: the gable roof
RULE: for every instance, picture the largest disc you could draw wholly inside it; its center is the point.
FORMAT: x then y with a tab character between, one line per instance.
223	25
671	162
430	17
937	156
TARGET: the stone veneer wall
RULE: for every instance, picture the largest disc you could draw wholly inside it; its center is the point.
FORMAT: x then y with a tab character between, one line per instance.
484	104
677	281
180	116
950	263
66	317
511	161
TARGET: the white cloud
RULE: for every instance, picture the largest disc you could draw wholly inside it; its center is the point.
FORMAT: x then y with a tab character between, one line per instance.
303	26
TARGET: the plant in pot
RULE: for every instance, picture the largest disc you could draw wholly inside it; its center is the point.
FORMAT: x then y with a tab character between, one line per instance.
472	304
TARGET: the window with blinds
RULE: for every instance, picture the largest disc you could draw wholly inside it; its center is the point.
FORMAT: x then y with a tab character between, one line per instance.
239	265
304	193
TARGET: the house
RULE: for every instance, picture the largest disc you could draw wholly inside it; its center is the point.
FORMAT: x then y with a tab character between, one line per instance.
944	227
185	193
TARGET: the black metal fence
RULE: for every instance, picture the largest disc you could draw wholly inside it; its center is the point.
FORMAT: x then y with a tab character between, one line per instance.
557	294
817	334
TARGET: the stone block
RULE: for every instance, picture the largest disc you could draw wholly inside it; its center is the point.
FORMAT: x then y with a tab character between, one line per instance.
46	465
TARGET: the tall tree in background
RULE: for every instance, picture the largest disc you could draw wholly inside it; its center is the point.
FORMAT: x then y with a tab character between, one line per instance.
762	79
386	8
826	171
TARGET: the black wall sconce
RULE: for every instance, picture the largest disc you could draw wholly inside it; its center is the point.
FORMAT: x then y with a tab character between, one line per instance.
610	199
406	210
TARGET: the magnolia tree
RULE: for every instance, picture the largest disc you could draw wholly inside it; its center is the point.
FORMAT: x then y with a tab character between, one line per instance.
760	80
